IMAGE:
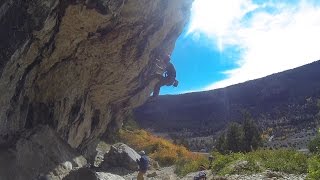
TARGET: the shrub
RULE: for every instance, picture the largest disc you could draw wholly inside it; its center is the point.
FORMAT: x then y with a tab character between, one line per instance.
222	162
314	168
187	165
283	160
314	145
287	161
159	149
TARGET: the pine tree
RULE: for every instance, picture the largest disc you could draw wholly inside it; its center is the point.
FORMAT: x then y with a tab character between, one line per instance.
251	135
240	138
234	138
221	143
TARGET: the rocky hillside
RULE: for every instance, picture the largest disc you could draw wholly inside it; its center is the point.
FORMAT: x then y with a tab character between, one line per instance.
76	67
285	103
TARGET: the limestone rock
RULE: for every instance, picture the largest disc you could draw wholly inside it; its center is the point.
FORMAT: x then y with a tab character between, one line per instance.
121	155
153	174
80	66
101	149
39	153
166	173
108	176
87	174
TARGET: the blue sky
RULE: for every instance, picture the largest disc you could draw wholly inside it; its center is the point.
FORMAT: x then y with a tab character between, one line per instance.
232	41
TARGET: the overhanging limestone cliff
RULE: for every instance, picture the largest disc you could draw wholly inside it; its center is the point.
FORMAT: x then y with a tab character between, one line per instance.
79	66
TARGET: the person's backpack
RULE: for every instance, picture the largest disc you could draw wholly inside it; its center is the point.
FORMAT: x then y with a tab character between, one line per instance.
144	163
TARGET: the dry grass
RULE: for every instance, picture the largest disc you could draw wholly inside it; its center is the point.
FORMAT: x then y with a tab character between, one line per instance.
163	151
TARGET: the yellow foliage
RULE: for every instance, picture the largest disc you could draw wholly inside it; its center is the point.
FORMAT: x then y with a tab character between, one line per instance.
163	151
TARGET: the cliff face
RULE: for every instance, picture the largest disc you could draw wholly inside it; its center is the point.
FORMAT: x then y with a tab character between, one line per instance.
79	66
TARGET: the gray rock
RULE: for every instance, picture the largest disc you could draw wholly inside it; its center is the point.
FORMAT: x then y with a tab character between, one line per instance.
166	173
78	67
39	153
108	176
121	155
87	174
153	174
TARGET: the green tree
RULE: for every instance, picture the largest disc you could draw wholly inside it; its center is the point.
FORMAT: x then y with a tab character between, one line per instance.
318	115
221	143
234	138
251	135
240	138
314	145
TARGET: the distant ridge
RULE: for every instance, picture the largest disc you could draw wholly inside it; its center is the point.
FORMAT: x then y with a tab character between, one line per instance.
279	100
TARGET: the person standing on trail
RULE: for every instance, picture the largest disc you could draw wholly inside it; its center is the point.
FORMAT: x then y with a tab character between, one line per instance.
169	78
143	163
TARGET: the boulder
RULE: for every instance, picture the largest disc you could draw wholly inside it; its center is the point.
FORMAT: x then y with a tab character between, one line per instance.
108	176
88	174
121	155
153	174
39	153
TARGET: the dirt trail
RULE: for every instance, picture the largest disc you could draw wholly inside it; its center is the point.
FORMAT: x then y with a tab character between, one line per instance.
167	173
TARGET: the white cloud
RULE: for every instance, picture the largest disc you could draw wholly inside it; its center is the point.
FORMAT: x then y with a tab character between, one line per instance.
216	18
271	42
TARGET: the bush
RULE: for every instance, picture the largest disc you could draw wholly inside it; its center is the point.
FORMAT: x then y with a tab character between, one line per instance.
159	149
276	160
222	162
187	165
282	160
314	145
314	168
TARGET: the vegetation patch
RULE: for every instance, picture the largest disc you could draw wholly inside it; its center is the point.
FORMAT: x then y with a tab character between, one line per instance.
314	167
287	161
163	151
244	137
314	144
314	161
256	161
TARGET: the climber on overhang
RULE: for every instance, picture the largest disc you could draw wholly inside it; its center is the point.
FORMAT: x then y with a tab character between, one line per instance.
169	78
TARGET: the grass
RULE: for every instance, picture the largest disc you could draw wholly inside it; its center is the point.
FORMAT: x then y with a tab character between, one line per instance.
287	161
314	168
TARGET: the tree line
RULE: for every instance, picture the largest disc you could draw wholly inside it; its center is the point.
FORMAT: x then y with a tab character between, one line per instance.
243	137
